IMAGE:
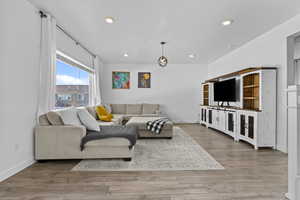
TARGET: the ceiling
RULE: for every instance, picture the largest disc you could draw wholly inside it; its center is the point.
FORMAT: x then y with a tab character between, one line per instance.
188	26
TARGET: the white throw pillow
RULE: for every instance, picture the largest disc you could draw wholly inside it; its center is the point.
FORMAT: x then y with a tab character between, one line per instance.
69	116
88	120
107	107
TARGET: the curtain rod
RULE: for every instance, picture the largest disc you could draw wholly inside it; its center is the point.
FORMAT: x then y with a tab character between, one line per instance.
42	14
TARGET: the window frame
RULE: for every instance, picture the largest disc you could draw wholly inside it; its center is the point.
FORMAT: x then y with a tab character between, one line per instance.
62	57
73	62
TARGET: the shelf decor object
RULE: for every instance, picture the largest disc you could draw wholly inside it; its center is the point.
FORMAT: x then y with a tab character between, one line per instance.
206	94
251	91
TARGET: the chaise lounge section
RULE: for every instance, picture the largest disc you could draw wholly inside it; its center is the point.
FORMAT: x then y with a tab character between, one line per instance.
141	124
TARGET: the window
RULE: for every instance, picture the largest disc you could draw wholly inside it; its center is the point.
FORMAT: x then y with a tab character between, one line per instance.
72	82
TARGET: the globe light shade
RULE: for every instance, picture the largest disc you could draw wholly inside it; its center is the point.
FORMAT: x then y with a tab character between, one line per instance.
162	61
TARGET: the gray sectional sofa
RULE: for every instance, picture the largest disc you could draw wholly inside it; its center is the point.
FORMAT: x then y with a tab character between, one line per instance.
58	141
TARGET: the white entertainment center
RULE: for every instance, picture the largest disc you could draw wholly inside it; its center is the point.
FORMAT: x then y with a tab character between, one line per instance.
252	116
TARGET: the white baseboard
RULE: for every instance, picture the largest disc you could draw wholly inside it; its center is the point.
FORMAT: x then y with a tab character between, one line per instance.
15	169
281	148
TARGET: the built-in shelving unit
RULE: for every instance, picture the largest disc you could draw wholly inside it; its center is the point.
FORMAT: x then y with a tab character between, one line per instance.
206	94
253	118
251	91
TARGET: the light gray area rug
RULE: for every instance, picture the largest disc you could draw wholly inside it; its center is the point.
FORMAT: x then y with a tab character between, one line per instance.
180	153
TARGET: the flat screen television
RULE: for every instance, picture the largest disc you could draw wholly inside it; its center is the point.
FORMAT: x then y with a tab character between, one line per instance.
224	91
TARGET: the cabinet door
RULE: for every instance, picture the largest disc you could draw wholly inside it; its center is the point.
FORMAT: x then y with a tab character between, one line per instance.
210	116
243	124
203	114
230	122
250	126
215	119
222	120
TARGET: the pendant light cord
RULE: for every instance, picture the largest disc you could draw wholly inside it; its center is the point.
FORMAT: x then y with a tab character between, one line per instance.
162	48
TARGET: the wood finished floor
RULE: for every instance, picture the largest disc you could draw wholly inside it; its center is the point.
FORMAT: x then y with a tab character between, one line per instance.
249	174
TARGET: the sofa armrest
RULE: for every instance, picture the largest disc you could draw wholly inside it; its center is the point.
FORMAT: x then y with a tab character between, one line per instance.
51	141
63	130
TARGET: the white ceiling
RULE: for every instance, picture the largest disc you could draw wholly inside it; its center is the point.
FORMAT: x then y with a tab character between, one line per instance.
188	26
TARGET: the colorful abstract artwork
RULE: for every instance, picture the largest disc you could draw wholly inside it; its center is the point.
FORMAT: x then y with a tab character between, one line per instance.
120	80
144	80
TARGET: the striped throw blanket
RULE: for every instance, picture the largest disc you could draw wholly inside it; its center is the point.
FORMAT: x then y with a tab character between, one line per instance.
157	125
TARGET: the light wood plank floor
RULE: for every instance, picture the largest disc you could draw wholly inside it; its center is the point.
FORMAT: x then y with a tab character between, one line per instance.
249	174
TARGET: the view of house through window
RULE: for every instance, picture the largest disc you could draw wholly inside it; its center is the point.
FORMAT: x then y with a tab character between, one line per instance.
72	85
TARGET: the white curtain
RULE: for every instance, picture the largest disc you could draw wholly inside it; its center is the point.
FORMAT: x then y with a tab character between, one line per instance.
95	92
47	65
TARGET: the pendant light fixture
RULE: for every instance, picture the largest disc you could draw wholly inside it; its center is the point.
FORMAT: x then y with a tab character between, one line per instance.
162	61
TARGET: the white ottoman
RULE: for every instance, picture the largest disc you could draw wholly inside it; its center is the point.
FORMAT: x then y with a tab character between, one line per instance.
140	122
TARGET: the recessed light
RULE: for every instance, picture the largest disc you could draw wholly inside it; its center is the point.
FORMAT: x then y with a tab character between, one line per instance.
125	55
109	20
227	22
192	56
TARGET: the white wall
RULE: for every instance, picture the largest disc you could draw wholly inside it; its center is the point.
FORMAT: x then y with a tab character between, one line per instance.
269	49
19	53
176	88
69	47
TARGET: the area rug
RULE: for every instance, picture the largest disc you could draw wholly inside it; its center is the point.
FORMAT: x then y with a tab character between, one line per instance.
180	153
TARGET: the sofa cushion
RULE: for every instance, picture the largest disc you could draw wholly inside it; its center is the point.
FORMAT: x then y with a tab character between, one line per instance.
128	116
69	116
141	122
118	119
107	108
55	118
150	115
102	123
92	111
108	142
150	108
118	108
134	109
88	120
43	120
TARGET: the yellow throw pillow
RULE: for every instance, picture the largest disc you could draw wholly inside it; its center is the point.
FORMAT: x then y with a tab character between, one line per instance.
100	110
105	118
102	114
